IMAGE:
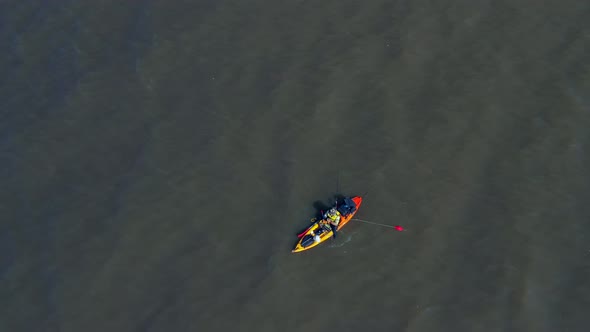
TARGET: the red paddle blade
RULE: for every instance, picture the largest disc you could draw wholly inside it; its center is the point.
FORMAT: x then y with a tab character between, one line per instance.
398	228
303	233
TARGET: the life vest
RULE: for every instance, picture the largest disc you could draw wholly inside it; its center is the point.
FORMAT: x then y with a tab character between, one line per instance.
334	216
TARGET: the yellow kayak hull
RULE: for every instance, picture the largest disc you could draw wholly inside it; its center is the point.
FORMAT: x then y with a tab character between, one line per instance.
304	241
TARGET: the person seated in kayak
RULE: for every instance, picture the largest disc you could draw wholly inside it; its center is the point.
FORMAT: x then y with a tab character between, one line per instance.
332	218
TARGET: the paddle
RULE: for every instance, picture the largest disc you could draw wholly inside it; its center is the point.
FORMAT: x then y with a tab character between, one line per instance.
396	227
300	235
313	220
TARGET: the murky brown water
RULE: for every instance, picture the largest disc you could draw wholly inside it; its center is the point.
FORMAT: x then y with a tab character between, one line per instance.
159	157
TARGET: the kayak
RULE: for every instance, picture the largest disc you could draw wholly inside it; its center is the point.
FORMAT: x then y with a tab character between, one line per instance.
348	207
